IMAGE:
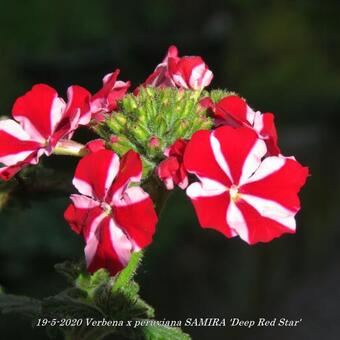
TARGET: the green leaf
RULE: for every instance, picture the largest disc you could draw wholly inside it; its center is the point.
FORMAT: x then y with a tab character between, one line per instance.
19	304
70	269
69	304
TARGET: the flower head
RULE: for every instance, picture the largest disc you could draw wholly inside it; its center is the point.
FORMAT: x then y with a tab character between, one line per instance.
172	171
160	77
238	193
234	111
189	72
105	100
116	219
41	119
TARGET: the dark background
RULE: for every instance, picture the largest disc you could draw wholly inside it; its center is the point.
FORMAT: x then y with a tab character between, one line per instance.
283	56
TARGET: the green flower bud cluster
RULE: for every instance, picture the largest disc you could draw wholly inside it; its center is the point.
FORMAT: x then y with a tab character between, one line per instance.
153	120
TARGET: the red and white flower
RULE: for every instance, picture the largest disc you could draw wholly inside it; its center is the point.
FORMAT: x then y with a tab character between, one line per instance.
172	171
238	192
160	76
105	100
234	111
41	119
116	219
189	72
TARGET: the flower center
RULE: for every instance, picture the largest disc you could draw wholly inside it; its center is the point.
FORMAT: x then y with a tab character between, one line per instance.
234	194
47	145
106	207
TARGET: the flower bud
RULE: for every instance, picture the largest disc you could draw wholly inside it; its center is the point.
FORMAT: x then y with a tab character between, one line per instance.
154	142
129	103
116	123
139	132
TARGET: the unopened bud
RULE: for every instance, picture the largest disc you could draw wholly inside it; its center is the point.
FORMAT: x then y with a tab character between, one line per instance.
116	123
139	133
154	142
181	128
129	103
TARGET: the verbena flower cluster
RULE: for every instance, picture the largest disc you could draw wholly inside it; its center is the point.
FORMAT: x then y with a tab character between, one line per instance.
169	131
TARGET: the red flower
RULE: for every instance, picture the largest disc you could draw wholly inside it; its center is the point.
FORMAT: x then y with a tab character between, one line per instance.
115	219
172	171
161	77
95	145
105	100
190	73
41	120
234	111
238	193
184	72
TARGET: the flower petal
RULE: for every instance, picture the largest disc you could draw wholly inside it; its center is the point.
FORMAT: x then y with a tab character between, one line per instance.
135	214
78	213
39	111
240	150
130	170
232	107
199	158
190	72
160	77
108	83
105	100
15	145
263	227
108	247
278	179
95	173
265	126
211	207
78	102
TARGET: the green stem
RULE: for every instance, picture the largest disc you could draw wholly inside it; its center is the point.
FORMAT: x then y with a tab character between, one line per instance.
129	271
159	195
67	147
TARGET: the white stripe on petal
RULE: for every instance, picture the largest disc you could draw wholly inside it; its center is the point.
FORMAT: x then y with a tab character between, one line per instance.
15	157
14	129
253	160
180	81
83	187
221	161
120	243
251	114
196	76
83	202
120	191
57	111
30	129
92	240
272	210
206	188
237	222
111	173
206	80
130	196
258	122
268	166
